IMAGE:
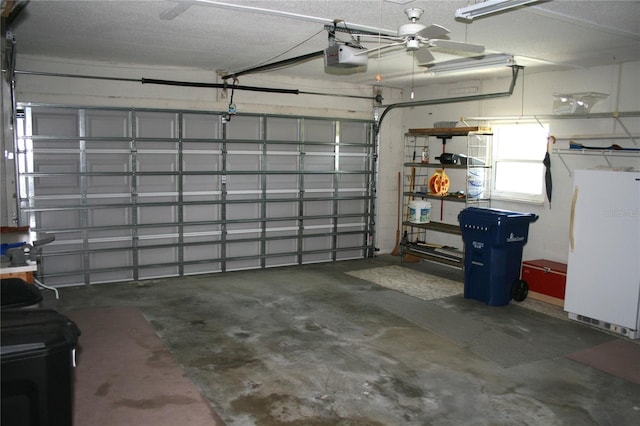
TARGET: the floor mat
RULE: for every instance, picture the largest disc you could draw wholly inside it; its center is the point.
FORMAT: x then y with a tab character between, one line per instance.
125	374
618	357
414	283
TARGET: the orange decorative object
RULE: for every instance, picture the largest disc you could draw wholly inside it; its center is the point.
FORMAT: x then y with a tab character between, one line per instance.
439	183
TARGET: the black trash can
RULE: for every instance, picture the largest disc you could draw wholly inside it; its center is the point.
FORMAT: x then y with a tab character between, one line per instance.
17	293
37	356
493	241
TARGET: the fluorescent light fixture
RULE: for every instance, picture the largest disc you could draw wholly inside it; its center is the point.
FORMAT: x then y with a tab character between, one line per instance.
471	64
488	7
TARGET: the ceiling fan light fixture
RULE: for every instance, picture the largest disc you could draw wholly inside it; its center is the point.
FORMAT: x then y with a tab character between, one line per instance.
489	7
413	44
472	64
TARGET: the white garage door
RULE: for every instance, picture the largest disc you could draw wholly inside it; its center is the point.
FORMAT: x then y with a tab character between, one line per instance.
136	194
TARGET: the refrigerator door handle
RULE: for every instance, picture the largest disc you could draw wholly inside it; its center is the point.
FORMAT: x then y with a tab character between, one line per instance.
572	217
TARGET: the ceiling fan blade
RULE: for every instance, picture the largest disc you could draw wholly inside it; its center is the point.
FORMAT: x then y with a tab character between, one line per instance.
456	45
423	56
433	31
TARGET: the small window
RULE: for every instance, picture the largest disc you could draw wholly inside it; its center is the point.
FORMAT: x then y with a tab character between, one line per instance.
518	169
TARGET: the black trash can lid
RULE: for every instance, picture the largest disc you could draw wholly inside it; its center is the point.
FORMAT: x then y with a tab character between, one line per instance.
35	332
17	293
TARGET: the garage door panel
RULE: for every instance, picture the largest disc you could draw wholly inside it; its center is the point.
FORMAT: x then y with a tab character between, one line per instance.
156	125
119	216
245	161
282	186
275	261
65	219
201	161
349	254
64	263
282	209
353	163
279	161
319	130
244	127
60	174
112	259
318	208
148	273
156	256
157	161
354	132
105	124
157	235
281	230
202	268
153	215
351	206
201	126
201	188
283	129
243	231
149	184
282	246
55	123
102	277
202	235
243	249
243	211
136	194
317	226
202	252
318	182
195	213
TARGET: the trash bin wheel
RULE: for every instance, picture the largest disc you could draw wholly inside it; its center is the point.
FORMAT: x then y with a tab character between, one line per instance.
519	290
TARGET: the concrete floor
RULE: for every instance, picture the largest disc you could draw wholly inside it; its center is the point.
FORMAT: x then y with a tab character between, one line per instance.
311	345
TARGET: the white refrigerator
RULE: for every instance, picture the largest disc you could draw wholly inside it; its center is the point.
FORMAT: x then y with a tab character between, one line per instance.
603	270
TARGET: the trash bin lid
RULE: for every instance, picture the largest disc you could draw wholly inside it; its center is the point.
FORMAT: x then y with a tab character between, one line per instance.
35	332
495	215
16	292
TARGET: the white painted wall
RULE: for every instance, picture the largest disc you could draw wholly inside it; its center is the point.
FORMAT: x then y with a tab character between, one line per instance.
534	95
85	92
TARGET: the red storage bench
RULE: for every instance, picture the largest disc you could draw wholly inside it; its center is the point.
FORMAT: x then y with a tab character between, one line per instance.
546	279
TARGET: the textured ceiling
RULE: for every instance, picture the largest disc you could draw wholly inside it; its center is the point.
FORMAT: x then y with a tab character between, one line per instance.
235	35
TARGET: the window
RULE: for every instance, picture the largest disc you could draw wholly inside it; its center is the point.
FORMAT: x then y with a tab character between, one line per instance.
518	153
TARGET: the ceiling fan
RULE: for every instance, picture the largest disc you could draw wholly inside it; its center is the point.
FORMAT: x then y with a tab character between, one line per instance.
418	39
415	37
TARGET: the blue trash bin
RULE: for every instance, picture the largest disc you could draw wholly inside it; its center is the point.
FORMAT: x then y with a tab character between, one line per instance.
493	243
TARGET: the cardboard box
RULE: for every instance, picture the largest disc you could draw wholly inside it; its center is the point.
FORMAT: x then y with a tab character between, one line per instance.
546	280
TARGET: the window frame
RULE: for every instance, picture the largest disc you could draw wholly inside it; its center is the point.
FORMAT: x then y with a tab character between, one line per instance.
515	196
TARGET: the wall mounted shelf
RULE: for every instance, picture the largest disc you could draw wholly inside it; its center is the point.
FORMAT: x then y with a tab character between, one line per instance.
420	237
